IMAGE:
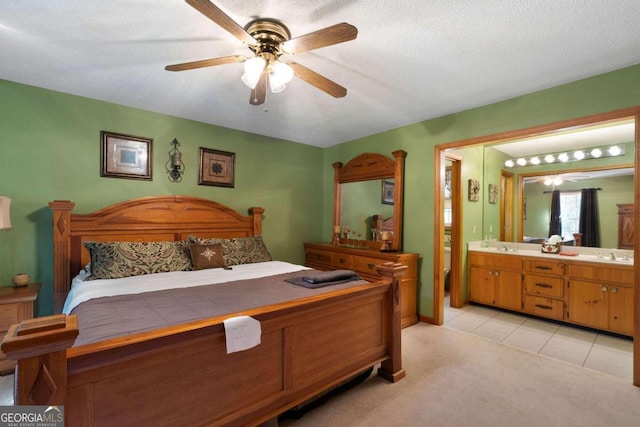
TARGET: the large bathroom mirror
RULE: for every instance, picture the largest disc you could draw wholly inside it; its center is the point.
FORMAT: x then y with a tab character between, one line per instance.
366	186
599	156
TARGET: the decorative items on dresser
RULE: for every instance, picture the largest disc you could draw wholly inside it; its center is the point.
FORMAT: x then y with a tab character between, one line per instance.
325	256
16	305
626	225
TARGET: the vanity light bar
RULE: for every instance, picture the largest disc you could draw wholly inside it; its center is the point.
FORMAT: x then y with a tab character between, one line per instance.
568	156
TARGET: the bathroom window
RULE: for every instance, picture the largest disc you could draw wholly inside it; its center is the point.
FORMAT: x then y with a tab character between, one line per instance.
570	212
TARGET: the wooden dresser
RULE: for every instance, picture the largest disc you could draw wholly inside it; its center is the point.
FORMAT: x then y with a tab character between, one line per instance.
324	256
16	305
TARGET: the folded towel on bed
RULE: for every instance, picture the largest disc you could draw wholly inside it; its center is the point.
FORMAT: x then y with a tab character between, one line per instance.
330	276
326	278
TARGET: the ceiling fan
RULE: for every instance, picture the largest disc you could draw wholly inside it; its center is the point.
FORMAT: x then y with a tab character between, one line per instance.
269	39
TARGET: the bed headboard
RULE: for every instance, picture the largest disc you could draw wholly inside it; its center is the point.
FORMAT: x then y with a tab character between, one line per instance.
155	218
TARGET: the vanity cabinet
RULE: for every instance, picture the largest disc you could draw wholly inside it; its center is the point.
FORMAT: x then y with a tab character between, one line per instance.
543	286
324	256
495	280
601	297
594	294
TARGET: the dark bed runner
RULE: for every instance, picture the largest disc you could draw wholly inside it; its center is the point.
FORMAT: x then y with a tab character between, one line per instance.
110	317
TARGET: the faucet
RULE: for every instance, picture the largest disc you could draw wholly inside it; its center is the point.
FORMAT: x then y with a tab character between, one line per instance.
613	256
503	247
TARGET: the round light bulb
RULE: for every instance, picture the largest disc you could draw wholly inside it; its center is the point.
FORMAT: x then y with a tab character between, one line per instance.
549	158
509	163
534	161
615	150
521	161
596	153
563	157
578	155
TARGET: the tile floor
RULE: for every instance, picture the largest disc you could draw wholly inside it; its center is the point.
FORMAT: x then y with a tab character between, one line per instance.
612	355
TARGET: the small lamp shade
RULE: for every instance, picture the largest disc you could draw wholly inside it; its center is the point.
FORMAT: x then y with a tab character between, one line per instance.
5	213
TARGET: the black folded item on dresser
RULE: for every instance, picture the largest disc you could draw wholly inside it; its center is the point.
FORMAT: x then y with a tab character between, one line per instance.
326	278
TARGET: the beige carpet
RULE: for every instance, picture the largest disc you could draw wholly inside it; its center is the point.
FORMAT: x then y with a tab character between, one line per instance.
457	379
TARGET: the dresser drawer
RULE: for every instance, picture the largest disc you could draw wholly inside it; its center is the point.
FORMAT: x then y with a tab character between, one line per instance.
366	265
341	261
318	256
546	267
544	307
544	285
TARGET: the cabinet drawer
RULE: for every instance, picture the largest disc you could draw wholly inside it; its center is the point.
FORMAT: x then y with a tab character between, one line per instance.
605	273
8	315
511	262
367	265
544	307
318	257
341	261
544	285
546	267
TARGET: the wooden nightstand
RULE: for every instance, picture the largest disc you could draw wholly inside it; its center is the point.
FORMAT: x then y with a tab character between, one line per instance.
16	305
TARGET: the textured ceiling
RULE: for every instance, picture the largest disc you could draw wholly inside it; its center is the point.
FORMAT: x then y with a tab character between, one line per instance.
413	60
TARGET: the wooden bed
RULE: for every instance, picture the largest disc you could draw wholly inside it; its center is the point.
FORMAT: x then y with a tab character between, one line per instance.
182	375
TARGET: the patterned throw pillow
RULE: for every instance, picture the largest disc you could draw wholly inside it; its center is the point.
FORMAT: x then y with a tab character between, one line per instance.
113	260
207	256
239	250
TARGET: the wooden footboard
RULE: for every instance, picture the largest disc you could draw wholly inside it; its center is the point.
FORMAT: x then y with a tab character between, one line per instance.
183	376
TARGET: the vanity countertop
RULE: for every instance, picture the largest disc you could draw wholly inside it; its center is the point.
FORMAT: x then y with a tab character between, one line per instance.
623	257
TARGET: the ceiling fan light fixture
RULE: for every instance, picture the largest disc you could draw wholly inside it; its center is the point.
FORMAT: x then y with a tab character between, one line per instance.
279	75
252	69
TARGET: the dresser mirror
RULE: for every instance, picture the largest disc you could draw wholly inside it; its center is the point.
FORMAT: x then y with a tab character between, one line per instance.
367	185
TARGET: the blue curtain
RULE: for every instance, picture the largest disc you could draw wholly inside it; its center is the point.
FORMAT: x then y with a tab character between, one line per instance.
555	225
589	219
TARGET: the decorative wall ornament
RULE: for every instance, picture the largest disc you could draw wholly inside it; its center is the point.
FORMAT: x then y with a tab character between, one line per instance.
493	193
474	190
216	168
175	166
387	192
125	156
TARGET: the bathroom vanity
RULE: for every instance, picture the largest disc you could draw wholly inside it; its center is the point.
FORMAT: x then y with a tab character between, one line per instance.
591	289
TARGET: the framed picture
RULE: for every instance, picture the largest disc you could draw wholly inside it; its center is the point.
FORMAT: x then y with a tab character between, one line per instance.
216	168
387	192
474	190
125	156
493	193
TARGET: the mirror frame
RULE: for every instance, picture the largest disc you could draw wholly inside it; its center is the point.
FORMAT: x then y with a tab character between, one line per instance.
368	167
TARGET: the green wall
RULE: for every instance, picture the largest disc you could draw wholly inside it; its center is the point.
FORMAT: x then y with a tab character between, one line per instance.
50	144
51	150
606	92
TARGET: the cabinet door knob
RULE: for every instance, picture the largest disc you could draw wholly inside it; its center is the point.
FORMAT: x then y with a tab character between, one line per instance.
604	289
614	290
342	260
370	266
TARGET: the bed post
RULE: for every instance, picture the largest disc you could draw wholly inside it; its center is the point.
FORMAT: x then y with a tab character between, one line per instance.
391	369
257	220
39	345
61	244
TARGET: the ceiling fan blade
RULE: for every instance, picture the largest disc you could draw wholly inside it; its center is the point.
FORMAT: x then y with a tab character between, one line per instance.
317	80
214	13
206	63
335	34
259	93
